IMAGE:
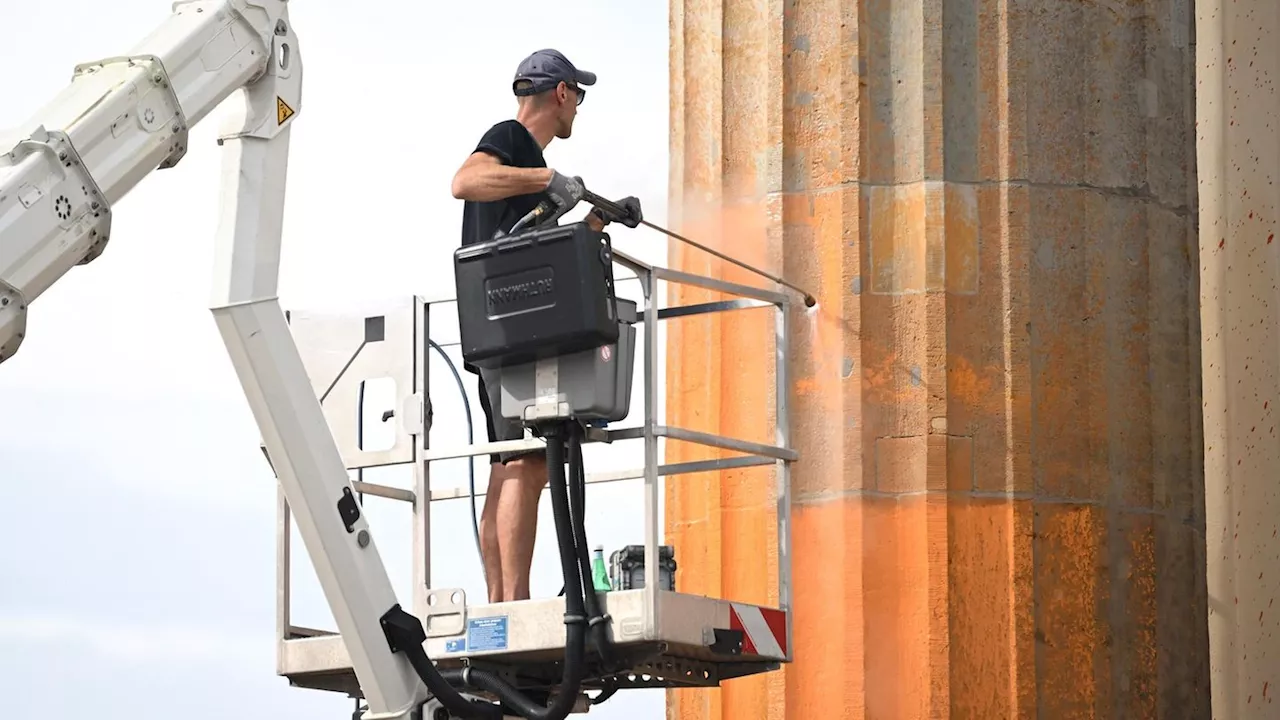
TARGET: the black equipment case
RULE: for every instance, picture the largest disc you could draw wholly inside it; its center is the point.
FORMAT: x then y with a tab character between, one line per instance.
539	293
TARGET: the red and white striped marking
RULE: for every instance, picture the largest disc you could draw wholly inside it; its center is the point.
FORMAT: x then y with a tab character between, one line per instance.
764	631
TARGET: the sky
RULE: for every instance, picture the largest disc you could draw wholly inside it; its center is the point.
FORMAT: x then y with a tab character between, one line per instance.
138	574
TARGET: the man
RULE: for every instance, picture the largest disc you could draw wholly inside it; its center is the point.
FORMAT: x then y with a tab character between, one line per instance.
504	178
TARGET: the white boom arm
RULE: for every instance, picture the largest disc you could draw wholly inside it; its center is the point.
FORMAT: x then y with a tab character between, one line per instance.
123	117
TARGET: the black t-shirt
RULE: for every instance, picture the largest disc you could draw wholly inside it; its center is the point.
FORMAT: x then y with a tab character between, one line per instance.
511	143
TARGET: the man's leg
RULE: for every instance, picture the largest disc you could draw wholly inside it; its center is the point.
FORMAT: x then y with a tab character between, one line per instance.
489	551
518	521
489	547
510	519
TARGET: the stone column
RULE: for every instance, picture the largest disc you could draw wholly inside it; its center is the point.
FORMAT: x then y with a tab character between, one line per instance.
999	506
1238	66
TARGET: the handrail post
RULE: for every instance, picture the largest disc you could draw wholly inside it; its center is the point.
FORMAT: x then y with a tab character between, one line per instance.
651	499
421	573
782	425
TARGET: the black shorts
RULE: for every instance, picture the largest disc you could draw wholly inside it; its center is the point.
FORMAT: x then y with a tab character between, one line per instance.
500	428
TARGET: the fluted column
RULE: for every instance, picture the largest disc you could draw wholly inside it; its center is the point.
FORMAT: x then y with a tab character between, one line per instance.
999	506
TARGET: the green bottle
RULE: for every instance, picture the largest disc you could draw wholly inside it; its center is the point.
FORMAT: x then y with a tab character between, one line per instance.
599	575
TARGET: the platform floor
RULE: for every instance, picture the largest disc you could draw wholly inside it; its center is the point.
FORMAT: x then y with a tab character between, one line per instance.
692	641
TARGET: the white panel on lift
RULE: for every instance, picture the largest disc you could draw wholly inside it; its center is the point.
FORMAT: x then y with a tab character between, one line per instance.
342	351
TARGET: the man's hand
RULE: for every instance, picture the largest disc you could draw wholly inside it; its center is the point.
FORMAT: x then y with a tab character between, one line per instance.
633	216
564	191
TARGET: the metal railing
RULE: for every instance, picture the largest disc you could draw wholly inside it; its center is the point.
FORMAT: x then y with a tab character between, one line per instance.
413	445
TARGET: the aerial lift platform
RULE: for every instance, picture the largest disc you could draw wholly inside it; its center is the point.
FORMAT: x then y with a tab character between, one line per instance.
62	173
670	639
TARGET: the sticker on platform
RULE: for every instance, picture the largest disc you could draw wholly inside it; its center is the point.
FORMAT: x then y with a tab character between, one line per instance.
455	645
487	633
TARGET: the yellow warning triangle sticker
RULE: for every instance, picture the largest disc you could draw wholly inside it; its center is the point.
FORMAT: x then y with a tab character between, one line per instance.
283	111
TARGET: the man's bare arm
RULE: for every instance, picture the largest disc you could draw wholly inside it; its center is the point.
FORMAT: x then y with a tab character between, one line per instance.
483	179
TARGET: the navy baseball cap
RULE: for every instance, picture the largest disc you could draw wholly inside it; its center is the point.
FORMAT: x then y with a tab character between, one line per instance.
544	70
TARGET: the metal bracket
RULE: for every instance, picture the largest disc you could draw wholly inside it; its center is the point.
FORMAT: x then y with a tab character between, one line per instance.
547	403
13	319
416	414
446	612
152	116
87	206
726	642
670	672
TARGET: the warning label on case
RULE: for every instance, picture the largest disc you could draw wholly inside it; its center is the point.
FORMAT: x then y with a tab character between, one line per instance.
487	633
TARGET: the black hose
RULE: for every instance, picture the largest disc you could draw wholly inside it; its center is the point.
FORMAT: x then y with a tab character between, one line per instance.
471	465
513	698
574	611
598	623
461	706
405	633
568	501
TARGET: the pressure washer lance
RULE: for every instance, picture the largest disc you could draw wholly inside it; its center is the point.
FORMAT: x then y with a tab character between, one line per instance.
617	210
